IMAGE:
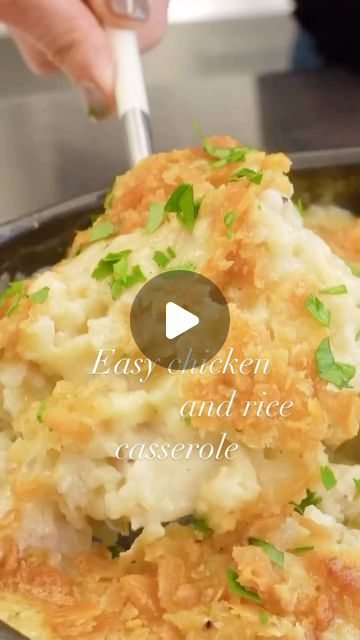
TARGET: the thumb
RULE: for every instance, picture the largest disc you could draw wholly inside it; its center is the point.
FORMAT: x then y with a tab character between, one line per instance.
72	39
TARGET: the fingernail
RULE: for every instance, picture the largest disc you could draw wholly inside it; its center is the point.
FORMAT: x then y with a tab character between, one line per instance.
133	9
96	105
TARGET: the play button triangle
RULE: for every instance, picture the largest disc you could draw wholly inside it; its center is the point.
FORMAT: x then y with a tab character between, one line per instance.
179	320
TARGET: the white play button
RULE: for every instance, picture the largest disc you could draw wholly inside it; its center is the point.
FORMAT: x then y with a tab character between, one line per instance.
178	320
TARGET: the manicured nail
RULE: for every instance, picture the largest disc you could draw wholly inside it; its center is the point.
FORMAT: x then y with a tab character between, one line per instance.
96	105
132	9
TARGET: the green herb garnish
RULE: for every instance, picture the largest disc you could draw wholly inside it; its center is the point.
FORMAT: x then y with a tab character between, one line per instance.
115	550
116	265
109	198
357	483
41	410
16	290
201	525
276	556
39	296
318	310
229	219
300	206
163	259
224	155
238	589
183	204
327	478
333	291
263	616
301	549
186	266
105	267
328	369
101	231
355	268
155	217
253	176
311	498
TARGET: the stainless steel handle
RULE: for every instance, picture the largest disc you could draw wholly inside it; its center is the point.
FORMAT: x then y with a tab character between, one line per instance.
8	633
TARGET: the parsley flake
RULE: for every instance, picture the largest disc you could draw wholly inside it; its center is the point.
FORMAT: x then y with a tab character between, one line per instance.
201	525
116	265
115	550
276	556
299	550
299	205
333	291
318	310
337	373
238	589
155	216
39	296
41	410
105	266
355	268
253	176
101	231
163	259
263	616
357	483
311	499
229	219
328	478
183	204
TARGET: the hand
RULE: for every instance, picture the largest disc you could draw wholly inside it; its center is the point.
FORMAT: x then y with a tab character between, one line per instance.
68	35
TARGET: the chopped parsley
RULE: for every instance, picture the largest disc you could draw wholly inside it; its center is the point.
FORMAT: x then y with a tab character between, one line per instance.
16	291
318	310
299	205
95	216
41	410
115	550
357	483
357	337
186	266
252	175
182	203
229	219
101	231
109	198
311	499
336	373
299	550
201	525
238	589
116	266
223	155
39	296
263	616
333	291
328	478
276	556
105	267
155	217
163	259
355	268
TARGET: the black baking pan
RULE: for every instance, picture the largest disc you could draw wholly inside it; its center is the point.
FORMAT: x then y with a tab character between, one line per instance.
41	239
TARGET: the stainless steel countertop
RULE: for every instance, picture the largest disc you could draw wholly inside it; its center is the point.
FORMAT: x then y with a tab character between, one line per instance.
50	151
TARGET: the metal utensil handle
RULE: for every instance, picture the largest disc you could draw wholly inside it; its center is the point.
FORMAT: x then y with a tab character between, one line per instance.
130	93
8	633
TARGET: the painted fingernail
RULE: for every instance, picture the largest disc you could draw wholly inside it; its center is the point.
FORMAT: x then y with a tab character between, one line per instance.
95	102
132	9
